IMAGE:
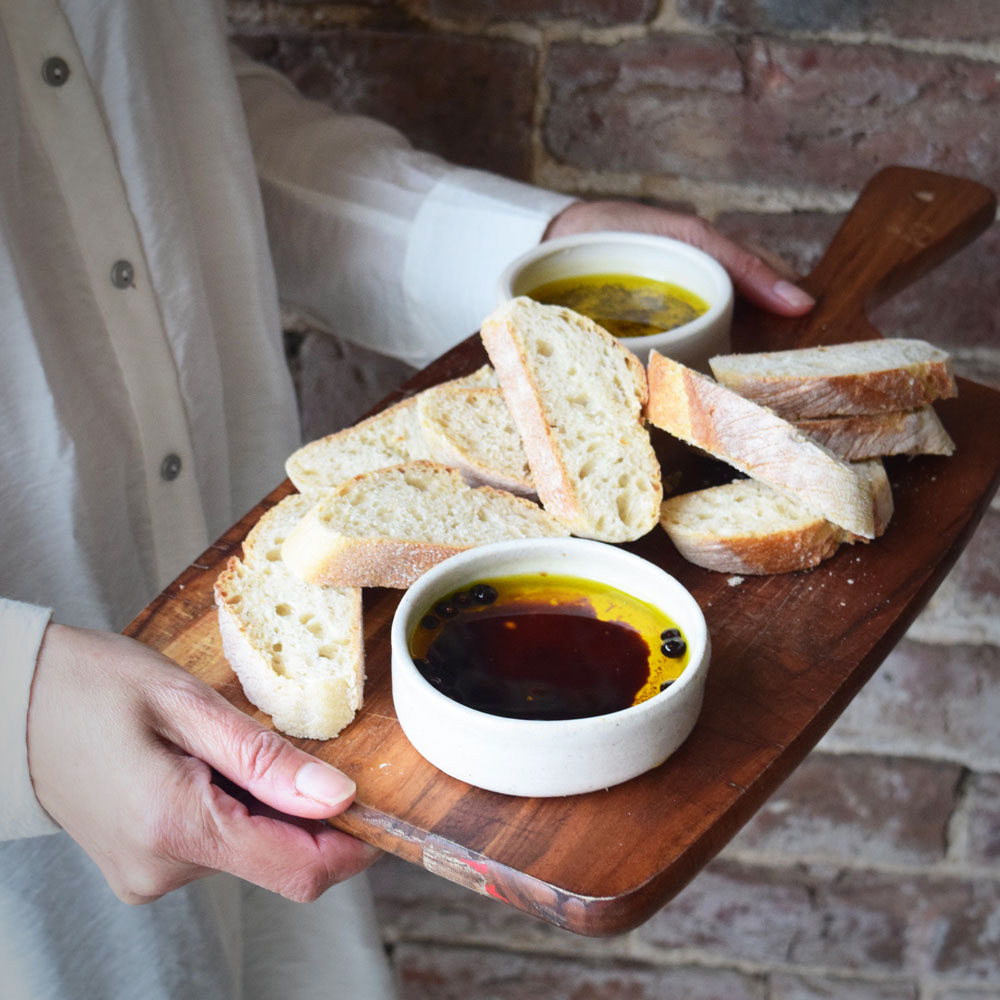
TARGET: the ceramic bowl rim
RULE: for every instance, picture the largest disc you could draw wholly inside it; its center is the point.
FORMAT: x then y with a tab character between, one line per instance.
716	310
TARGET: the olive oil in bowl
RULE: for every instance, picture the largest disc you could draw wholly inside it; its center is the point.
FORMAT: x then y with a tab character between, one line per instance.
626	305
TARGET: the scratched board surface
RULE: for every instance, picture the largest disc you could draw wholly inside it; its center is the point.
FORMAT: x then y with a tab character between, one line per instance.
789	651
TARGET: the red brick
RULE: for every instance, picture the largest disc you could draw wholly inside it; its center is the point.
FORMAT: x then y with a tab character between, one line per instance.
785	986
443	973
927	700
971	20
984	819
786	916
598	12
966	608
963	931
468	99
882	809
813	114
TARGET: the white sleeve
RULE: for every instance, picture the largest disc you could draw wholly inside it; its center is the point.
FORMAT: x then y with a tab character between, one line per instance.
21	629
392	248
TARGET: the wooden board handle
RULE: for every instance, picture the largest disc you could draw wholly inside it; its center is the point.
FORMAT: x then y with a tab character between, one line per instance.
904	223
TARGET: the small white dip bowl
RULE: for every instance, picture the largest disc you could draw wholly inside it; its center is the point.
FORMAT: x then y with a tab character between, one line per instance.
645	256
548	758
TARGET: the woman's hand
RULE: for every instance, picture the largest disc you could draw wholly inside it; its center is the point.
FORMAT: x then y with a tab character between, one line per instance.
767	283
122	747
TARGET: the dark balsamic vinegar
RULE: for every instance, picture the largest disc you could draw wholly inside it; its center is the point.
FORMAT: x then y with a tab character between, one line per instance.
531	653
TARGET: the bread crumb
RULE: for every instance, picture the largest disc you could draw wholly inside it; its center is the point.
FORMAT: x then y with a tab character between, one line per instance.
734	581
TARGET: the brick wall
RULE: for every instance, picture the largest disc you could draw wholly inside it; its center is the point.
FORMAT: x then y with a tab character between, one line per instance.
874	872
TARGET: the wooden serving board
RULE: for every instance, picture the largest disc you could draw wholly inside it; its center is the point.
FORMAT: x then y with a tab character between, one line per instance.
789	651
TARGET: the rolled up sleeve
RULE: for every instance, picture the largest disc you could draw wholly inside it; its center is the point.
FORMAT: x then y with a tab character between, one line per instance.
392	248
21	629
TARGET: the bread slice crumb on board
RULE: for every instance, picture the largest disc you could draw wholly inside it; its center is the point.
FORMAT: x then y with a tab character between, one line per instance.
387	438
384	528
759	443
577	398
870	435
748	527
867	376
297	648
471	429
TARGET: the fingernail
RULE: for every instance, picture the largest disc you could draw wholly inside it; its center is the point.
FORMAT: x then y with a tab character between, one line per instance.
323	783
793	295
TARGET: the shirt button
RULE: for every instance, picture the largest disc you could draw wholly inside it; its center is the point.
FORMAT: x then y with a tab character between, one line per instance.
55	71
122	274
170	467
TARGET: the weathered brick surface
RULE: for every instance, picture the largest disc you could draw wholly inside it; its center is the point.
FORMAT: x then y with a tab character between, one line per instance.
441	973
470	100
984	820
887	810
894	925
786	986
966	608
821	114
925	700
786	916
970	20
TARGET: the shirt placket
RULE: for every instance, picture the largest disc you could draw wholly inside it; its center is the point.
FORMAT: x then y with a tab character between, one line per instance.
65	113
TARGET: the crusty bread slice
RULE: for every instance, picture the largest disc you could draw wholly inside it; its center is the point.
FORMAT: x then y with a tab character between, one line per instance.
297	648
576	396
872	470
870	435
386	527
866	376
471	429
748	527
387	438
751	438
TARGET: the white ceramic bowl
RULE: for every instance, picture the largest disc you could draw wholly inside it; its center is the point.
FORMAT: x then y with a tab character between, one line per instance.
646	256
548	758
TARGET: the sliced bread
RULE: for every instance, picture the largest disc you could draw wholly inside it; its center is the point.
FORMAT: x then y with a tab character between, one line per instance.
759	443
387	438
748	527
869	435
872	470
297	648
384	528
473	431
867	376
577	396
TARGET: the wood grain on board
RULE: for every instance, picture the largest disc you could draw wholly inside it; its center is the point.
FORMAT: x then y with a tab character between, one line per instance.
789	651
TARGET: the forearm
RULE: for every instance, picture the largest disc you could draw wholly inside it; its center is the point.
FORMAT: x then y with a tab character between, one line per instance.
391	247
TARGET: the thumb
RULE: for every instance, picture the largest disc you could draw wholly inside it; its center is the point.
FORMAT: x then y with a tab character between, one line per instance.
257	759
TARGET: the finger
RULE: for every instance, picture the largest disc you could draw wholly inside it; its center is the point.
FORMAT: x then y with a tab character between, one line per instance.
299	859
203	724
755	278
211	830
